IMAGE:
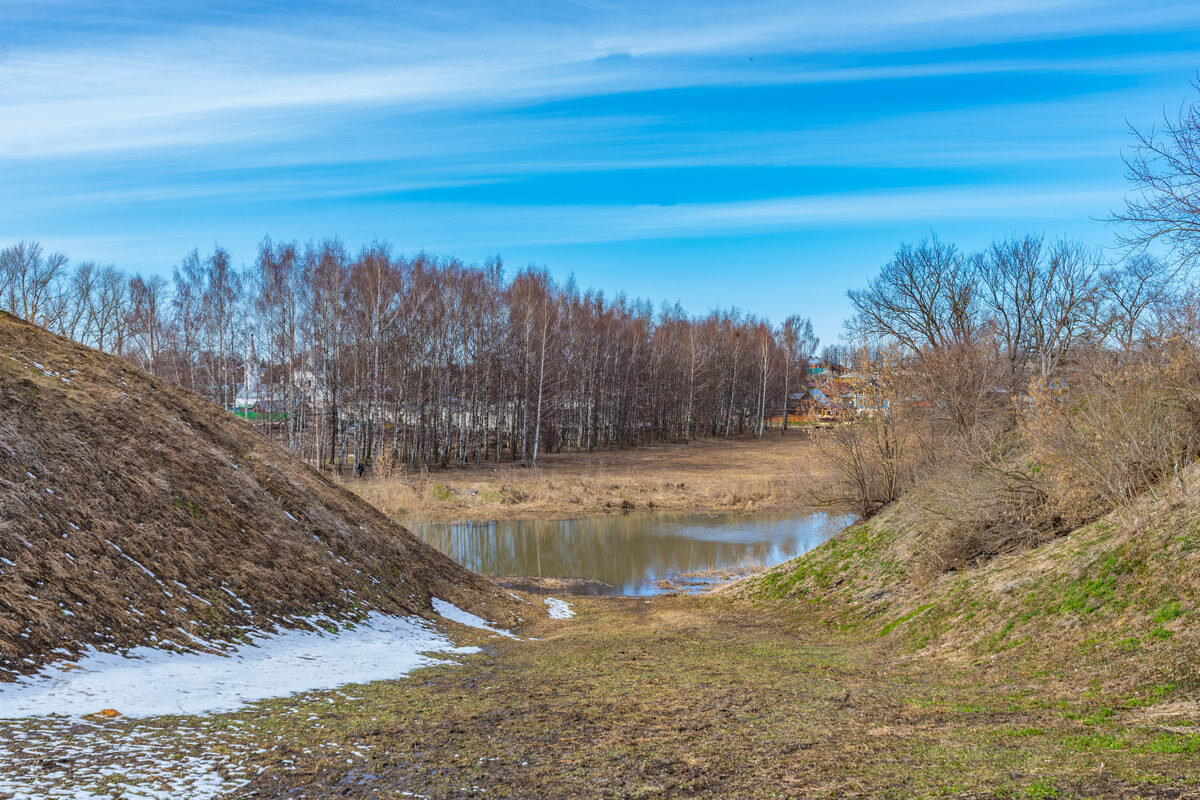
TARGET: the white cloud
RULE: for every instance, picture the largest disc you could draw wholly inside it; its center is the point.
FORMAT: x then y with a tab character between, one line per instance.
256	79
846	209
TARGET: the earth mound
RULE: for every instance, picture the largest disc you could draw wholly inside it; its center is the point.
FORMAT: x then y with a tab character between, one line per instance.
133	512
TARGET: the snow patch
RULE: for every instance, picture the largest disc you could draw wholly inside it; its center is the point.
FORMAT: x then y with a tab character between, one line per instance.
151	682
456	614
559	609
61	758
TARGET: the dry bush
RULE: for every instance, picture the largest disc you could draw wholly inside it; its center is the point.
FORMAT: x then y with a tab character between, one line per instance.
866	464
1029	389
981	504
896	439
974	487
1119	428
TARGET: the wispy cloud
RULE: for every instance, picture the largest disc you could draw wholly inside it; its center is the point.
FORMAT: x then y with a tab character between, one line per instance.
578	224
146	85
140	130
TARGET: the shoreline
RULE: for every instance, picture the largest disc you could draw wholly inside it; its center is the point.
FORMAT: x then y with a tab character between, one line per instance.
734	476
518	515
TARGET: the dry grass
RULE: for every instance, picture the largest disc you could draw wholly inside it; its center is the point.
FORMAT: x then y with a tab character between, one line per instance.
699	697
674	697
133	512
710	475
1114	602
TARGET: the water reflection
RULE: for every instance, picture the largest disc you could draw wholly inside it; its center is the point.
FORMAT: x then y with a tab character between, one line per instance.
631	551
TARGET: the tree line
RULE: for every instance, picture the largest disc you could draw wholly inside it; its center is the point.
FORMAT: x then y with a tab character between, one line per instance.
411	362
1020	391
1027	388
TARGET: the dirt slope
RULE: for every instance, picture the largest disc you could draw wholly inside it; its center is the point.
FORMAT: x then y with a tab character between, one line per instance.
133	512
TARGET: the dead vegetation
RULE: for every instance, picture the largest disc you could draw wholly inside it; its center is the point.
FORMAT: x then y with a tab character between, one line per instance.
1114	599
699	697
1025	462
1015	394
740	474
135	513
1117	427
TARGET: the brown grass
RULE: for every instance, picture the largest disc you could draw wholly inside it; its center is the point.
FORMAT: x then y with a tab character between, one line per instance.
133	512
708	475
705	698
1114	602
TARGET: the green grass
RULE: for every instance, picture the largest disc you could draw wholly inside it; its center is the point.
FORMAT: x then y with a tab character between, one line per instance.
891	626
705	697
1174	744
1167	612
1041	789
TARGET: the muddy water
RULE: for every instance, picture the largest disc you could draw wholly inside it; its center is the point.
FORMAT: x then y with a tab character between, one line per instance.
634	552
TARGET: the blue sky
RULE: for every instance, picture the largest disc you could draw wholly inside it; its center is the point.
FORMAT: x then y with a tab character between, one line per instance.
767	155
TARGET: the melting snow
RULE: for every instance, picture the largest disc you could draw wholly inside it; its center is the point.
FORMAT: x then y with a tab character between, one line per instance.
58	758
456	614
559	609
149	682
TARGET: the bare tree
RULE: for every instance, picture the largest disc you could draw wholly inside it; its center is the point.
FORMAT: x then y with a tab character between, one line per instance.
326	267
1164	168
798	343
108	310
1010	270
425	359
278	297
221	305
28	280
765	351
187	305
148	326
926	297
927	301
1134	294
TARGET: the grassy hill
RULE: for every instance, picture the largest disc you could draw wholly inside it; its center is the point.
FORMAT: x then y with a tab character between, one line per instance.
133	512
1114	602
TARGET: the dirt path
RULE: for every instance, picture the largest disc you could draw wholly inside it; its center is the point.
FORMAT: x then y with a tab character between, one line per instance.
708	475
689	697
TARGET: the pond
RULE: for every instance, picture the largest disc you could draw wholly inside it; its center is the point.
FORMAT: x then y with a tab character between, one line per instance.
637	554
